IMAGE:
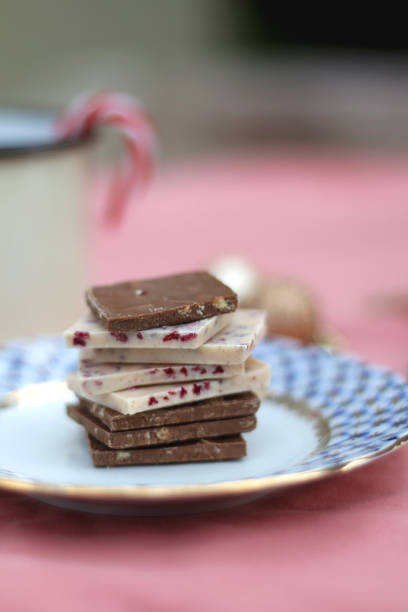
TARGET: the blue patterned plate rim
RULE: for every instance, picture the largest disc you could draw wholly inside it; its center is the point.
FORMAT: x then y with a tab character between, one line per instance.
364	405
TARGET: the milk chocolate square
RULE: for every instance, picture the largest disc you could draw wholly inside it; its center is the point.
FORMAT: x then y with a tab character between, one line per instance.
157	436
216	449
167	300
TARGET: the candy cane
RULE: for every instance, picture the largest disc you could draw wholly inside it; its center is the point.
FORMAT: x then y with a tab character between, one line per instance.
87	113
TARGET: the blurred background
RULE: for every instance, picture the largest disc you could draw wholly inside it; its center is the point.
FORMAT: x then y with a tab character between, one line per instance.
283	137
216	74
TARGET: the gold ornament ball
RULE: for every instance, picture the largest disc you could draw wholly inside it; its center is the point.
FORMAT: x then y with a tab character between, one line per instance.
291	310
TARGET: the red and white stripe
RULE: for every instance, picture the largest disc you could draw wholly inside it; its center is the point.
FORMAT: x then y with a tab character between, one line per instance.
87	113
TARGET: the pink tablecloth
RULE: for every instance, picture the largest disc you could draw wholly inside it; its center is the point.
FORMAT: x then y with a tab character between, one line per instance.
339	223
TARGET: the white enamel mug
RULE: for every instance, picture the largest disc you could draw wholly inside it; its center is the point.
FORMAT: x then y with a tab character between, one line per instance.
42	190
43	185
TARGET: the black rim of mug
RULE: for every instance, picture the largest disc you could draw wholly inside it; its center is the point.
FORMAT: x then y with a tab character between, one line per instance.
32	148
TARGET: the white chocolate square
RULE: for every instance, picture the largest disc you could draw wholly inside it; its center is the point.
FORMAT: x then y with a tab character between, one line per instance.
139	399
97	378
89	332
232	345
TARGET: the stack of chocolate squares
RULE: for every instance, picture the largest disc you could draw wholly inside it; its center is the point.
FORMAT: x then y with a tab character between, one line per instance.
165	373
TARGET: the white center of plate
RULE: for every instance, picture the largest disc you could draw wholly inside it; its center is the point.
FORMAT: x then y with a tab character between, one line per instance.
38	441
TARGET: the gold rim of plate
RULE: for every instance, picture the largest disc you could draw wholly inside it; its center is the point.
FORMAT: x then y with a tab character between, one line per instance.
172	492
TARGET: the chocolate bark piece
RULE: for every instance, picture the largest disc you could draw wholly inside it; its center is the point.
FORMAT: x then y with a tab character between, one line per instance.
224	407
100	378
232	345
256	378
156	436
167	300
90	332
216	449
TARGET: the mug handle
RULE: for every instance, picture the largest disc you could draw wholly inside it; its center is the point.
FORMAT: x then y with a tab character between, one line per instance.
89	112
